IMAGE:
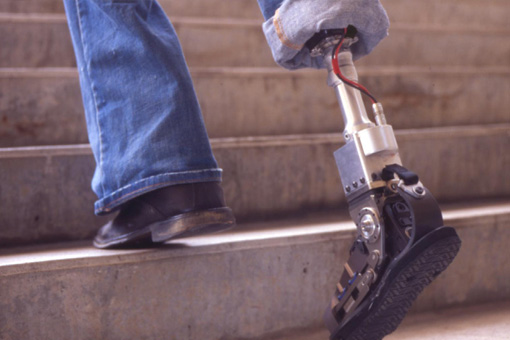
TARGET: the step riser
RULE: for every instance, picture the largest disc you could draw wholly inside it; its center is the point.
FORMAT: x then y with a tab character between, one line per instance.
48	44
293	103
475	13
238	291
478	13
208	8
479	274
41	111
51	200
439	48
261	180
35	45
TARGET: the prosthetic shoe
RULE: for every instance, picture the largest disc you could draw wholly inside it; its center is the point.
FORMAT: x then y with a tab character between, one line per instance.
401	243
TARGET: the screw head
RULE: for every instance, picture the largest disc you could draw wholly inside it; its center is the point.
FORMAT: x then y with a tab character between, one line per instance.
355	184
348	188
362	180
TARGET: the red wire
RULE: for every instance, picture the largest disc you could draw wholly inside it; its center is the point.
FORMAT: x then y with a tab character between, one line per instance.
336	69
334	61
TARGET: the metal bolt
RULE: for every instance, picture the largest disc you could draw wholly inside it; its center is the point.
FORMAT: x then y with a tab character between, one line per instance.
368	226
419	190
355	184
375	255
362	180
367	278
374	258
348	188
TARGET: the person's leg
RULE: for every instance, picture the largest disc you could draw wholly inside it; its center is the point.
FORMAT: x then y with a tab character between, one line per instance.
144	122
269	7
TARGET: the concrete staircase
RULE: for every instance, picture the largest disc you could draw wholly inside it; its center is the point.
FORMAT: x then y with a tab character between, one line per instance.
443	76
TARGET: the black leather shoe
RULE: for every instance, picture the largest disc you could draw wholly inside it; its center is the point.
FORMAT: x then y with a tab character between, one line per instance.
172	212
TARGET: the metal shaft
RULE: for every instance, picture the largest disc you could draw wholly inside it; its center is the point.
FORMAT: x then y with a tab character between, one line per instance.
350	100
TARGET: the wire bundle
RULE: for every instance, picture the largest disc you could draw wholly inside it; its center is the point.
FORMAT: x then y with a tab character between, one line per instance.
336	69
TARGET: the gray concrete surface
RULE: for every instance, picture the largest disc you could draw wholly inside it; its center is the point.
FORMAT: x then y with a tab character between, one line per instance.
482	322
211	8
432	12
35	101
244	285
447	13
264	177
252	284
44	41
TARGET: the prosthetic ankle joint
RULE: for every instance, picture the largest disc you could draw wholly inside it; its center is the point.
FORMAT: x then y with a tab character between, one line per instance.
389	205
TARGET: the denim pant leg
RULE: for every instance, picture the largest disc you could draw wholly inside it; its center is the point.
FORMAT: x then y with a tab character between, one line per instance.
144	122
268	7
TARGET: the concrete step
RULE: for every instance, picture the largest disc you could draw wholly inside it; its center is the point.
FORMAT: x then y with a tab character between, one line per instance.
477	13
447	13
240	102
480	322
42	40
264	177
246	285
206	8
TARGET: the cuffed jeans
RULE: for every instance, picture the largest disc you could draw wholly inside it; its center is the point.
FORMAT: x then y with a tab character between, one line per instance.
144	122
294	22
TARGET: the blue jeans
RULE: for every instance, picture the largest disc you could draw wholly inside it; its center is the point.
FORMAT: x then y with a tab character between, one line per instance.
144	123
268	7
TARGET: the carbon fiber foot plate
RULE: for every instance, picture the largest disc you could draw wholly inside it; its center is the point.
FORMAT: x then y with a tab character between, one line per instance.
401	286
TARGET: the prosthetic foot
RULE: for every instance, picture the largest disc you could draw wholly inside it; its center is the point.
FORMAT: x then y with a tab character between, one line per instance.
401	244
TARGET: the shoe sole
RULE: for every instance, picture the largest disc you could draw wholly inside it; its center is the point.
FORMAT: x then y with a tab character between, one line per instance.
184	225
193	224
402	283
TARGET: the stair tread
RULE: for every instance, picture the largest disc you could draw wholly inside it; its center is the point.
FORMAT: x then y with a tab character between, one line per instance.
33	38
264	177
426	133
445	28
431	12
480	322
291	230
274	279
35	100
363	70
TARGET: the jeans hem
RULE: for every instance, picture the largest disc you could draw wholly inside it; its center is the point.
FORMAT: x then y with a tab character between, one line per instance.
286	52
113	201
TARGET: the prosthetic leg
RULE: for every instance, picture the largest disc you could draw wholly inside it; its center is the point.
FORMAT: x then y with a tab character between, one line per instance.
401	244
